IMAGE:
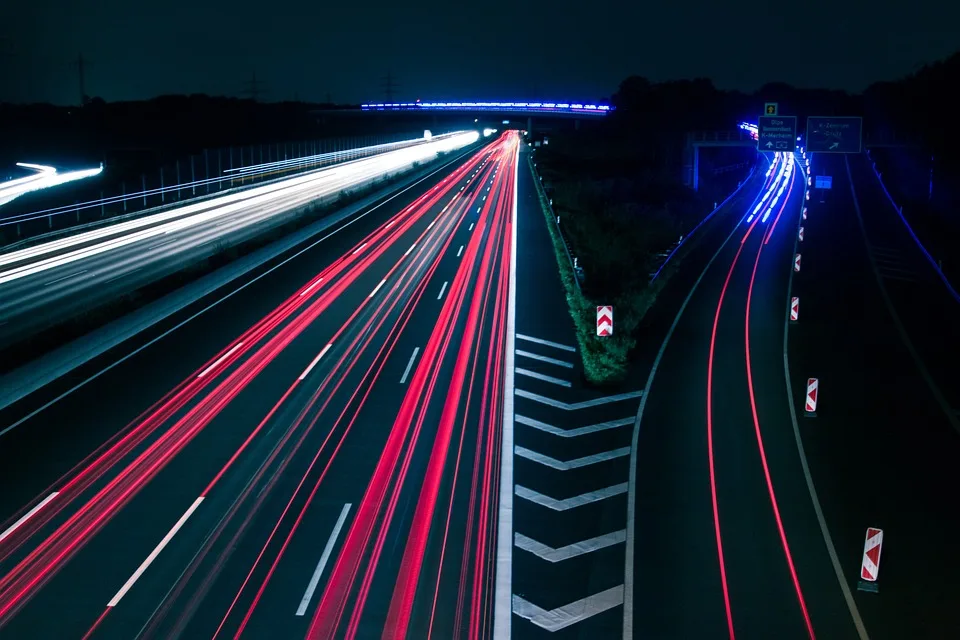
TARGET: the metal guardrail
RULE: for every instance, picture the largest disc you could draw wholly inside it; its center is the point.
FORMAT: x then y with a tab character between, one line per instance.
555	220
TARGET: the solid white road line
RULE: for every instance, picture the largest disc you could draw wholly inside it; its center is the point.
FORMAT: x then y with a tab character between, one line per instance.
540	376
327	550
460	251
568	614
503	591
537	356
315	283
578	405
358	249
406	372
153	554
571	433
573	501
377	288
314	363
547	343
219	360
571	550
16	525
442	290
567	465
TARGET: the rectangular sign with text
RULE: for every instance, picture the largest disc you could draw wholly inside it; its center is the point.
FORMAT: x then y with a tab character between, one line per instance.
777	133
834	134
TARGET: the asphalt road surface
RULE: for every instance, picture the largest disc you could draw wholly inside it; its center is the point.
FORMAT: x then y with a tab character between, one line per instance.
318	456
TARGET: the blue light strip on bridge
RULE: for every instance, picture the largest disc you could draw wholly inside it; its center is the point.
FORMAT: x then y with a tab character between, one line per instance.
565	107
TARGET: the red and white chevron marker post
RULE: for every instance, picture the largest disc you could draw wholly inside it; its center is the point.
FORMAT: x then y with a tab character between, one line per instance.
800	235
804	213
794	309
870	566
605	321
796	262
813	391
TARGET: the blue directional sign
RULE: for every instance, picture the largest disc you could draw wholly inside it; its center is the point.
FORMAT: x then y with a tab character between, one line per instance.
824	182
834	134
777	133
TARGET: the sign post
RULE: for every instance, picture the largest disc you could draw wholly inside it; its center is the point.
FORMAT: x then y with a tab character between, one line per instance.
777	133
834	134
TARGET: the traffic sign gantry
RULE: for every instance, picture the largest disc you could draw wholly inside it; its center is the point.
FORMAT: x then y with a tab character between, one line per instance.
770	108
777	133
834	134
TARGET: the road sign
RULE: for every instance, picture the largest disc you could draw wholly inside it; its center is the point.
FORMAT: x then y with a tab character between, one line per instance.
834	134
824	182
770	108
777	133
794	309
796	262
813	391
800	234
605	321
804	213
870	566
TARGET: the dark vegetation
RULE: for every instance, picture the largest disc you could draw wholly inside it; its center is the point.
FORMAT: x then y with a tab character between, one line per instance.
620	193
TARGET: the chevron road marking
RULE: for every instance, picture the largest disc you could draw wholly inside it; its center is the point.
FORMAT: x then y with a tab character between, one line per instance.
547	343
572	502
540	376
537	356
572	433
568	614
567	465
571	550
577	405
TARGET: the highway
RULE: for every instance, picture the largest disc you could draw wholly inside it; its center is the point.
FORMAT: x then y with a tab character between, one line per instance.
317	456
727	538
42	284
44	177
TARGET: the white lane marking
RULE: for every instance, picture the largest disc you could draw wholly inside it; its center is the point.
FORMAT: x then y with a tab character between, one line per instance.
632	481
572	433
10	399
571	550
460	251
358	249
502	618
430	226
547	343
390	224
377	288
578	405
442	290
315	283
567	465
314	363
153	554
29	514
327	550
406	372
72	275
537	356
568	614
410	249
484	197
220	359
478	209
471	227
540	376
572	502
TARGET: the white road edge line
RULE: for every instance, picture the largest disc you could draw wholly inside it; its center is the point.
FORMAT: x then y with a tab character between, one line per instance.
632	481
442	290
540	376
503	592
566	552
377	288
220	359
153	554
406	372
314	362
327	550
547	343
213	304
16	525
537	356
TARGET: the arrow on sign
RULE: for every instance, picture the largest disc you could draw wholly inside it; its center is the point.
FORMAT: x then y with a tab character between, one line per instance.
835	145
769	145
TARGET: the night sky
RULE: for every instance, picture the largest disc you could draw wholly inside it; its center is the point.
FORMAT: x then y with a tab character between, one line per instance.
530	49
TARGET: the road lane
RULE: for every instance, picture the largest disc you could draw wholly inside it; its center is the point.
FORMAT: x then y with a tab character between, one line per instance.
199	575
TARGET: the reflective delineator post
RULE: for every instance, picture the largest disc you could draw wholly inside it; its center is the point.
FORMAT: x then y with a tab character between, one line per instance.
796	263
800	235
870	565
804	213
813	391
794	309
